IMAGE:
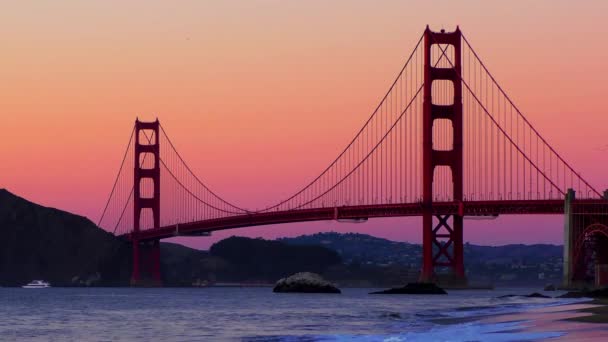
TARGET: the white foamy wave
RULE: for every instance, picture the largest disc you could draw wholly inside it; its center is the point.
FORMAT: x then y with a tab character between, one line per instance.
495	332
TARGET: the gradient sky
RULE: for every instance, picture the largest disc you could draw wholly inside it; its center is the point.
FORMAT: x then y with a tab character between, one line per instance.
259	96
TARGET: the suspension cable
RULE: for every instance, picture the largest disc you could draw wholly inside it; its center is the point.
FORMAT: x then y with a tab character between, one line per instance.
526	120
195	177
368	155
356	136
117	178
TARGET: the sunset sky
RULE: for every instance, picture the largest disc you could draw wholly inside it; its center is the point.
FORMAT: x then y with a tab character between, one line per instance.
259	96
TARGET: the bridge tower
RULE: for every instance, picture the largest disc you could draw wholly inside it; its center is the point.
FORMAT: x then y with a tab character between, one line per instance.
442	234
146	254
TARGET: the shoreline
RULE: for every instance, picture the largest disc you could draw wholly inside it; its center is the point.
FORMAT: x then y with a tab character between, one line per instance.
597	312
584	319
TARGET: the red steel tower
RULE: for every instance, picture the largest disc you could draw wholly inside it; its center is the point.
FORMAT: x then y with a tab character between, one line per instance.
146	255
442	234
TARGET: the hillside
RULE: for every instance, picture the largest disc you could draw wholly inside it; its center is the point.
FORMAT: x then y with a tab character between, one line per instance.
362	248
508	264
46	243
265	260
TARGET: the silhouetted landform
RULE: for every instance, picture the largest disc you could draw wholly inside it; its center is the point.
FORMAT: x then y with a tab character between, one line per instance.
531	295
537	295
597	293
264	260
50	244
305	282
414	288
508	265
550	287
573	294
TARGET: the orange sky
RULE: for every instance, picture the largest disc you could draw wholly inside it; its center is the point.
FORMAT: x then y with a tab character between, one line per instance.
259	96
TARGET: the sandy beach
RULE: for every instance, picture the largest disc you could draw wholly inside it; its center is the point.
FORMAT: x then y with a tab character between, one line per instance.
595	312
583	321
574	320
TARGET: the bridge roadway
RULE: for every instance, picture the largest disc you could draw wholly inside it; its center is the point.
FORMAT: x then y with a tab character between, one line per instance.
467	208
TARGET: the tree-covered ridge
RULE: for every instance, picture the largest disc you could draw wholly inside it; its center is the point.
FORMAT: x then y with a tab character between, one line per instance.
266	259
362	248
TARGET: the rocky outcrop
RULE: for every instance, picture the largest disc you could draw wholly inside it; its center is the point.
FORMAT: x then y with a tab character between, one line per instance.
597	293
537	295
573	294
531	295
305	282
414	288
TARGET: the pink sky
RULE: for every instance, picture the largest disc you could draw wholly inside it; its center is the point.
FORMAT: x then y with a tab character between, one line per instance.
291	81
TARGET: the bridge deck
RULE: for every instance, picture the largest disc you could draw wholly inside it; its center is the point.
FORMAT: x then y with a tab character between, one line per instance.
469	208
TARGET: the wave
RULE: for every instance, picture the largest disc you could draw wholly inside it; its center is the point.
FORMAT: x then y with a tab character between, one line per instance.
495	332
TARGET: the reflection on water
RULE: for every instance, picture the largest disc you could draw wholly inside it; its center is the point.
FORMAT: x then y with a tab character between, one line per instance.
257	314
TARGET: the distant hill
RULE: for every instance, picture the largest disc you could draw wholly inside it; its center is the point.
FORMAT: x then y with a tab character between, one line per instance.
362	248
499	264
513	254
259	259
354	247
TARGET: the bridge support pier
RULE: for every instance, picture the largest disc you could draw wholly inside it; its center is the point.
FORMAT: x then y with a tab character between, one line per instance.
443	247
146	264
585	242
601	261
568	256
135	274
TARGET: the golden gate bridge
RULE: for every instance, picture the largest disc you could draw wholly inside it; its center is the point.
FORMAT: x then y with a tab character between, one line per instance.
445	142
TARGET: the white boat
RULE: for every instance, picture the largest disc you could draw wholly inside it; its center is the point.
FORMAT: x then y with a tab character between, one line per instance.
37	284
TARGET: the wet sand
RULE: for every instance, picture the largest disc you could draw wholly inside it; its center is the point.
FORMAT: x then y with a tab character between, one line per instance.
586	321
597	312
581	321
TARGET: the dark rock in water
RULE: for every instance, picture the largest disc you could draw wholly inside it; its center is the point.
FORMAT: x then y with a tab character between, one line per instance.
574	294
597	293
305	282
508	296
414	288
390	315
537	295
550	287
531	295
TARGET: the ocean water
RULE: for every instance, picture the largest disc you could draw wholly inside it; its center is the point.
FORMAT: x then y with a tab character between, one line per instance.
257	314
